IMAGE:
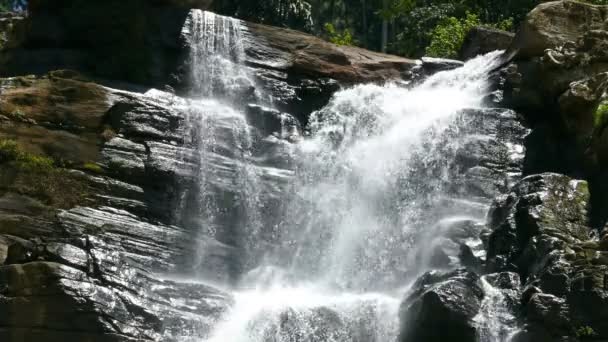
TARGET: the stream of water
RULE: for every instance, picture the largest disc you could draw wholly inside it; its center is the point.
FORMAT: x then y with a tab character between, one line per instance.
367	204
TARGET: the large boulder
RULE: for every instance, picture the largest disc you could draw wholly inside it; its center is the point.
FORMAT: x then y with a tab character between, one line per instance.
556	81
553	24
300	71
541	230
481	40
442	307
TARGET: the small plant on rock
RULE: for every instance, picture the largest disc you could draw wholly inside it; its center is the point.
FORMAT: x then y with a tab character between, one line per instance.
600	118
585	332
9	150
344	38
92	167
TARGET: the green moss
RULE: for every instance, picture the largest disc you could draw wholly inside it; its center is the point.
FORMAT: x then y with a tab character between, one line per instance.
92	167
39	177
11	152
600	118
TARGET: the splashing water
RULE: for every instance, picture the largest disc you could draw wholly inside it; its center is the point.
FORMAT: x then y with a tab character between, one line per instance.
216	129
350	231
367	204
495	321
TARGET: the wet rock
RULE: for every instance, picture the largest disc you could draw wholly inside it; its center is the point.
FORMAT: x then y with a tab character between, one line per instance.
481	40
549	311
431	65
442	307
542	231
302	71
554	23
542	213
72	302
579	103
269	121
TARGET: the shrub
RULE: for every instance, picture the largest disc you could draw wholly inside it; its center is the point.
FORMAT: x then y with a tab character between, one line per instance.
344	38
449	34
585	332
447	37
9	151
18	115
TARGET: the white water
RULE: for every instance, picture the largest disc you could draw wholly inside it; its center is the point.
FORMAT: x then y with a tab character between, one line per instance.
495	321
370	178
219	132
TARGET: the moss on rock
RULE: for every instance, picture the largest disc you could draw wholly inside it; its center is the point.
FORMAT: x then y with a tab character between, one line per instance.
38	177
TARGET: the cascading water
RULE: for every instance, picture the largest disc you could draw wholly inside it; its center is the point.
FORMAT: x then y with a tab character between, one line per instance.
495	321
368	200
217	130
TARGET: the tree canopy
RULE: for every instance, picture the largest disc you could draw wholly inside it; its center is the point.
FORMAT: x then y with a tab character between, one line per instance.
405	27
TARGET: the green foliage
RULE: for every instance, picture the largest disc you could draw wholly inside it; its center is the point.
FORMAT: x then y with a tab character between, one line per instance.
295	14
411	23
344	38
600	119
396	9
11	152
585	332
448	36
18	115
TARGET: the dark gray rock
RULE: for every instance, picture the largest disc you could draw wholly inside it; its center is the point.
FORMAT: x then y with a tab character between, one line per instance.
442	307
481	40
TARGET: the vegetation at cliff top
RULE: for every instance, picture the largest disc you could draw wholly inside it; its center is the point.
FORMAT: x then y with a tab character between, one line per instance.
406	27
410	28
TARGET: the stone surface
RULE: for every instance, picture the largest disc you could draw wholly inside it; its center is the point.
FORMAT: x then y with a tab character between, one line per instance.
301	71
431	65
541	231
481	40
97	253
553	24
442	307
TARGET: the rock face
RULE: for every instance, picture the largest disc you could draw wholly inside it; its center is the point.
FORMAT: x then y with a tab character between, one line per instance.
481	40
88	237
301	71
554	23
92	232
145	42
99	232
557	81
541	231
442	307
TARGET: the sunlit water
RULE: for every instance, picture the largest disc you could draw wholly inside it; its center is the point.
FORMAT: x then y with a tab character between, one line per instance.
365	207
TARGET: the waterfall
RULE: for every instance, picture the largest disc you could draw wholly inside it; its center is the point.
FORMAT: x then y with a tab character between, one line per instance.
495	321
217	130
370	197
